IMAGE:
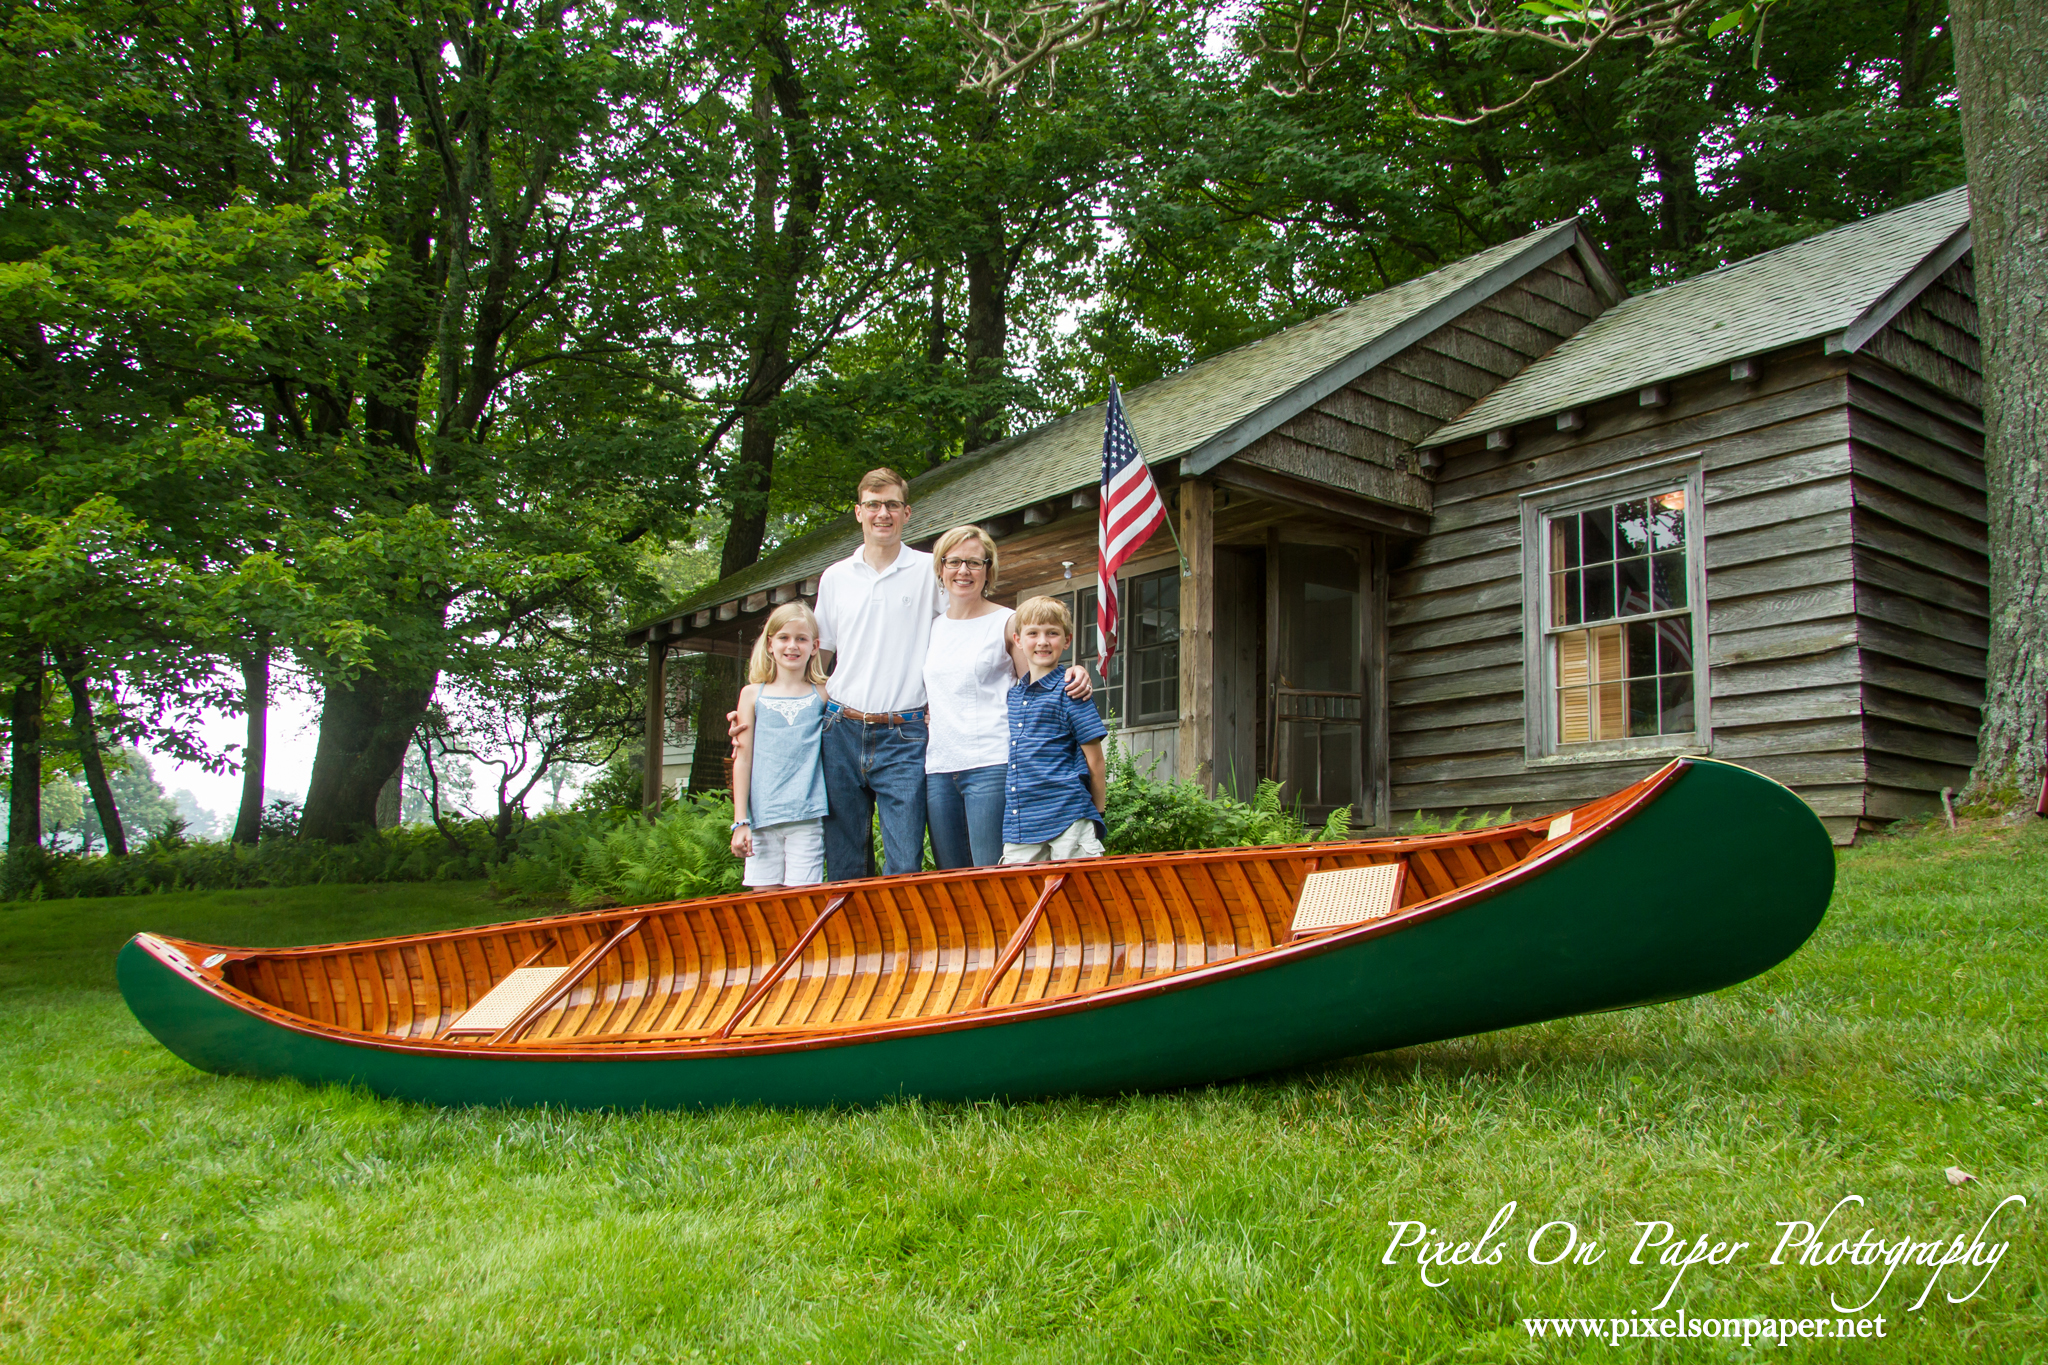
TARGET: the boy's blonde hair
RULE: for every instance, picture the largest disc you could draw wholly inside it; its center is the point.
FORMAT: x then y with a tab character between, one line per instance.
761	668
952	539
1044	611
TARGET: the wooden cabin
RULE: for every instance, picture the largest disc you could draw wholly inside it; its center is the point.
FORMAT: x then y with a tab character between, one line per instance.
1504	536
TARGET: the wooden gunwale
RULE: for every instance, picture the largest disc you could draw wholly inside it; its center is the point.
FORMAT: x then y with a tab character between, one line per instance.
1600	818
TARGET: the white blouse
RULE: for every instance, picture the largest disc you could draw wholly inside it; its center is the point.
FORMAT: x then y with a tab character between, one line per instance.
967	677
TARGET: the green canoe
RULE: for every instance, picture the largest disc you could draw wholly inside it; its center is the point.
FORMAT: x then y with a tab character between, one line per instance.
1094	977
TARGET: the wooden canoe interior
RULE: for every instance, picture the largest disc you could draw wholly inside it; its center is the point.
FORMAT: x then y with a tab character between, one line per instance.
895	949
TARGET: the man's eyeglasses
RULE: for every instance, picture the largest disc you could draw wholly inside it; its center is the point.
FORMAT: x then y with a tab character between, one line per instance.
951	564
892	506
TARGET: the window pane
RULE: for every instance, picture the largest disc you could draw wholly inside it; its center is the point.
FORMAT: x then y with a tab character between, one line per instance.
1677	699
1674	645
1606	654
1632	528
1596	535
1573	712
1610	720
1572	612
1564	543
1667	581
1642	649
1633	586
1642	706
1599	592
1667	521
1562	588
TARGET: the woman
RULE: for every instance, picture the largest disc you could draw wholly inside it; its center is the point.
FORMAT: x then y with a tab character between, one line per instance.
967	675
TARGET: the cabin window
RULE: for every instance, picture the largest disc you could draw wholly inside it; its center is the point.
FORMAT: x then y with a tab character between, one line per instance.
1618	659
1142	686
1087	647
1151	640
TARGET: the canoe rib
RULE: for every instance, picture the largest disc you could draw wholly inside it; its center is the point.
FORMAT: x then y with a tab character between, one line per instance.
894	957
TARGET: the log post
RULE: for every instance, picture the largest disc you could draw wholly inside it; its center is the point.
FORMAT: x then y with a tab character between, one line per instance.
657	727
1196	749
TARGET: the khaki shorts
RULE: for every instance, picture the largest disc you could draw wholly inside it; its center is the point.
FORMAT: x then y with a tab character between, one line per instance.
1075	841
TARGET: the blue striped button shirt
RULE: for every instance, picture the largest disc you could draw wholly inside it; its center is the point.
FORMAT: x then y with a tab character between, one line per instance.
1047	787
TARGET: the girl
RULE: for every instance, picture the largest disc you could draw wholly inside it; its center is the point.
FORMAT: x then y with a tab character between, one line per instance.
778	786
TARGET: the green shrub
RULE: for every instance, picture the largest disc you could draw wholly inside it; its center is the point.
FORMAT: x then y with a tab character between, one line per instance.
1149	816
1426	822
170	862
621	858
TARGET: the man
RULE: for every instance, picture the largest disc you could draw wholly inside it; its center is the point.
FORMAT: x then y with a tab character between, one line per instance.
875	610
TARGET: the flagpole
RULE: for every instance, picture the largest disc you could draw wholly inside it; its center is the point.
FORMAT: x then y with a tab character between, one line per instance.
1171	515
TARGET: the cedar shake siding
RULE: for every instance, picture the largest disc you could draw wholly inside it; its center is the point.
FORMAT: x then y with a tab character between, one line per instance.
1781	624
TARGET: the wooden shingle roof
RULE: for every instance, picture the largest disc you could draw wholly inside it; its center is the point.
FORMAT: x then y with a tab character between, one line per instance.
1201	415
1851	280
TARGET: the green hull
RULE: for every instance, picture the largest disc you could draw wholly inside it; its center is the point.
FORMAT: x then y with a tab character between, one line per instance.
1721	876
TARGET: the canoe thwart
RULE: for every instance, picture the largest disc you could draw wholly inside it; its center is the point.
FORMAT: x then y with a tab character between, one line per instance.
1347	896
505	1001
775	974
553	995
1018	940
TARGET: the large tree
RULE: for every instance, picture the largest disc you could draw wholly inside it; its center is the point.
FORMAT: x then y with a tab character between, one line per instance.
2002	67
372	245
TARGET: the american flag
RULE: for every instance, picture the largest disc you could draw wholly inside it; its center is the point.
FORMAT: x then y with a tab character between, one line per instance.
1131	510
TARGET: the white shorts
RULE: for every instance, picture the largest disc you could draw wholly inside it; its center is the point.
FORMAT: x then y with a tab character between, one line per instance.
1075	841
791	854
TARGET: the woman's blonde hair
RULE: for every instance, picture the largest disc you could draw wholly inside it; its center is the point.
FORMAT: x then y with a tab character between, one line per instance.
761	668
951	539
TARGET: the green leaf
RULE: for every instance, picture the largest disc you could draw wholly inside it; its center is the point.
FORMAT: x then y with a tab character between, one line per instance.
1735	18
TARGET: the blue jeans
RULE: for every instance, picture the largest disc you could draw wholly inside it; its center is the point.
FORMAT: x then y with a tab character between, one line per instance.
866	766
966	811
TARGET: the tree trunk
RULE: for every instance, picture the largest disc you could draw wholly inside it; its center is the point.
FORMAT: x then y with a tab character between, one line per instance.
720	679
2002	79
73	669
748	483
25	786
785	161
986	335
390	798
256	711
364	728
935	349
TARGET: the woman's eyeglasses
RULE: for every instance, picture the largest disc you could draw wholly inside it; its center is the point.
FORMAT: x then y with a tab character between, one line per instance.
952	564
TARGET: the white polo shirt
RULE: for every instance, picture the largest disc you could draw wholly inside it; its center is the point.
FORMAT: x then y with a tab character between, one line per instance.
879	625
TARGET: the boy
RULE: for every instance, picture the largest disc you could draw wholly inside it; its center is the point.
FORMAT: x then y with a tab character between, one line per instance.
1057	791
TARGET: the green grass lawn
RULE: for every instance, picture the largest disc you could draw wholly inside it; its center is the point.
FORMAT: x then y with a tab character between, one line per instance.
150	1211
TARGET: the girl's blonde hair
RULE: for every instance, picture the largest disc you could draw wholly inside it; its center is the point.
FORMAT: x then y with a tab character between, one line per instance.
761	668
952	538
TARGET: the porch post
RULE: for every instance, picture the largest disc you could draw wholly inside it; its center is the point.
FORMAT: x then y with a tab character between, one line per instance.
1196	749
657	726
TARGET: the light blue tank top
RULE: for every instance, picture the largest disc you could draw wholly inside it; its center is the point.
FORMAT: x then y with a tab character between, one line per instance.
788	780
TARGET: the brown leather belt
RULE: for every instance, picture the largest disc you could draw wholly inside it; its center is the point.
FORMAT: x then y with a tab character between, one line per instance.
876	718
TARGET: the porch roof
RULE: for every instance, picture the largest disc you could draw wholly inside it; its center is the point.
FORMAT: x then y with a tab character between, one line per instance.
1200	416
1851	280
